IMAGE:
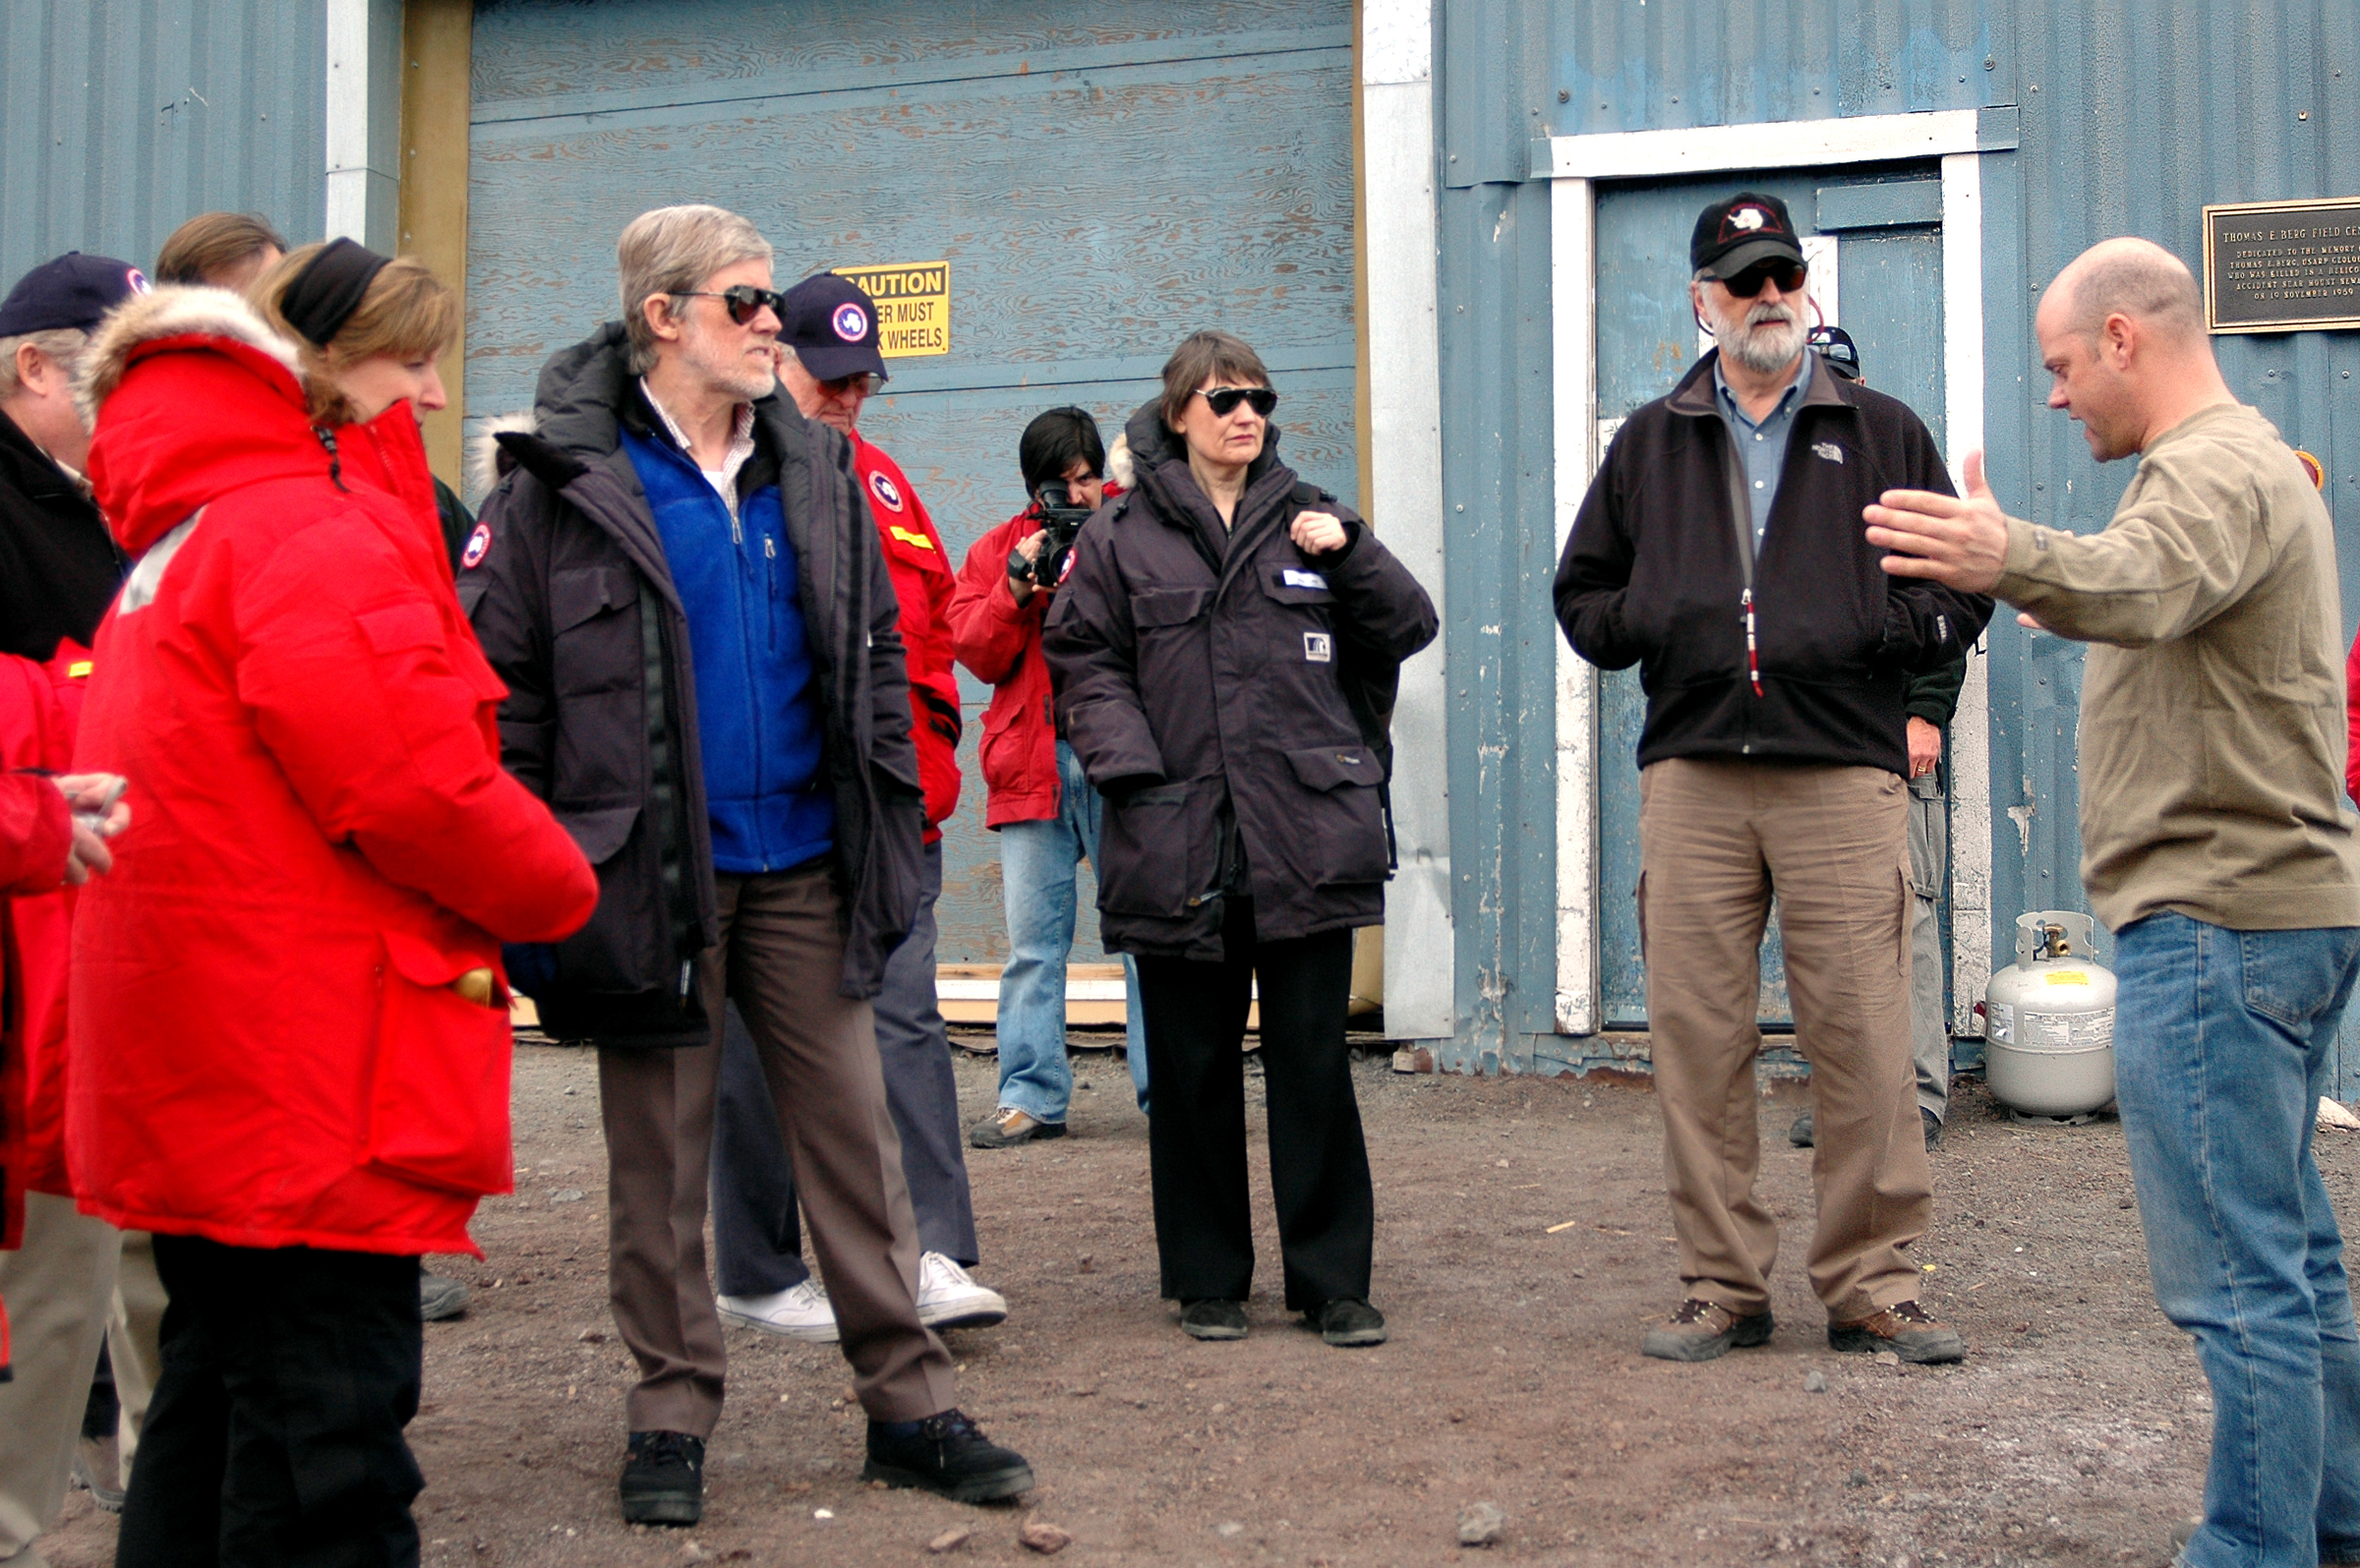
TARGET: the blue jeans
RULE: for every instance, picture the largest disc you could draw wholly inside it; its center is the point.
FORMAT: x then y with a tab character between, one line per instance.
2221	1052
1037	878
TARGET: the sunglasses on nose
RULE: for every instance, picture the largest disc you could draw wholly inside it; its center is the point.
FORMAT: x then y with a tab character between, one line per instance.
1788	276
745	301
860	382
1223	400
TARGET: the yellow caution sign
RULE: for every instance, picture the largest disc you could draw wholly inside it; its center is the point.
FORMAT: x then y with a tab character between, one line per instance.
914	305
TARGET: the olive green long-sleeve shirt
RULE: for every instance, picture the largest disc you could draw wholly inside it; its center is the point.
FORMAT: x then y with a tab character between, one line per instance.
2213	719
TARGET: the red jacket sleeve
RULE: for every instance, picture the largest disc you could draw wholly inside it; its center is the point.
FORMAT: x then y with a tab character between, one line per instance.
36	831
989	629
2351	719
378	706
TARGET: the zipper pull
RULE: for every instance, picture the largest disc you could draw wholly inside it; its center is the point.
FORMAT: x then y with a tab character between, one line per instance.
1754	658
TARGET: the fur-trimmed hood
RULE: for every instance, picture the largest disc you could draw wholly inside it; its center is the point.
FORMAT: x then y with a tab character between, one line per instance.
486	463
173	311
190	396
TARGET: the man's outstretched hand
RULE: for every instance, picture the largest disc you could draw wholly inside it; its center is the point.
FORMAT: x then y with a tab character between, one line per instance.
1961	542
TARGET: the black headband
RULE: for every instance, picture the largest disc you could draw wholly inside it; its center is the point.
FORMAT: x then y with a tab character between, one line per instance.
327	292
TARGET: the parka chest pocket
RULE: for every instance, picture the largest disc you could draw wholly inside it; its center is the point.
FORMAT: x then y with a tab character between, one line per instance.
1153	609
594	644
1297	585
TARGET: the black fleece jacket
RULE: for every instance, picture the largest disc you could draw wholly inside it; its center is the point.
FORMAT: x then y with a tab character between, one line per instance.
1658	573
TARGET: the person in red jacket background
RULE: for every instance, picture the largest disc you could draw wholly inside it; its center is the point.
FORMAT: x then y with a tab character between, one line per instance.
828	364
46	848
288	1035
1043	809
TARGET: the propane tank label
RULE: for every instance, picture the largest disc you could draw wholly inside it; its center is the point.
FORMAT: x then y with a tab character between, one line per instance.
2066	1031
2068	977
1999	1021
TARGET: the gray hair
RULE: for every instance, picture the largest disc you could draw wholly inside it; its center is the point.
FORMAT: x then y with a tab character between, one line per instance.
670	251
63	344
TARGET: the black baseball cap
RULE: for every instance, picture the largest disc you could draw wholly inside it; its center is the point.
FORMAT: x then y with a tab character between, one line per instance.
1732	235
831	323
1837	351
72	291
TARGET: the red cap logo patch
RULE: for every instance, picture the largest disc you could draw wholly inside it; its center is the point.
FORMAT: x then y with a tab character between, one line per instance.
135	280
478	545
851	322
887	493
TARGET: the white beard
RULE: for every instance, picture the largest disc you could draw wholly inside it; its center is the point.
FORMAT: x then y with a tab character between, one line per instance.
1763	352
741	375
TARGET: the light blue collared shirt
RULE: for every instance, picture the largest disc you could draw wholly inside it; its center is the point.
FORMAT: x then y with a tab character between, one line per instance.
1763	446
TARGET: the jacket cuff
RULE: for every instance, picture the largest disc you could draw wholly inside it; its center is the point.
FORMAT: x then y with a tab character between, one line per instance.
2028	548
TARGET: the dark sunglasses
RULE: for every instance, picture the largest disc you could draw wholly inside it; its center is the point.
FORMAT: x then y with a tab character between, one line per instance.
1788	276
862	382
1223	400
745	301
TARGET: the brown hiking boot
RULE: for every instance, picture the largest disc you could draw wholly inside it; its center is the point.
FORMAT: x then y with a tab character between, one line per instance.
1905	1328
1008	1126
1703	1331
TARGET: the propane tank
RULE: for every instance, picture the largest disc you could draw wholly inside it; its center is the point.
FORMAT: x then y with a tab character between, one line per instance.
2048	1020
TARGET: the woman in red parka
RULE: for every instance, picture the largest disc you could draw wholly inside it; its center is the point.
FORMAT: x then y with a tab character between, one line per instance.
288	1029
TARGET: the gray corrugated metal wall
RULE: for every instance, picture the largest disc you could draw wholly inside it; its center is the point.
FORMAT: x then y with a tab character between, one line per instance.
2133	117
120	118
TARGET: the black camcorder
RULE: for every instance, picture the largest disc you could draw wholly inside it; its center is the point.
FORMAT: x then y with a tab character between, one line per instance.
1053	503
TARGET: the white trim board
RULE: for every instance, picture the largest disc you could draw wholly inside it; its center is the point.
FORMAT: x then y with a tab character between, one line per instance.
1575	163
1405	500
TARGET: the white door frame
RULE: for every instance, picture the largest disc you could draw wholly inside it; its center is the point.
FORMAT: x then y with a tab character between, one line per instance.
1574	163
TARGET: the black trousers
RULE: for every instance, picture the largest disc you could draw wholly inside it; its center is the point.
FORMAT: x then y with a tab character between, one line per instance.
273	1440
1195	1018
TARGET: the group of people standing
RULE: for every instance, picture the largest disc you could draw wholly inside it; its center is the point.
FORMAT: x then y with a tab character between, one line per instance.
672	760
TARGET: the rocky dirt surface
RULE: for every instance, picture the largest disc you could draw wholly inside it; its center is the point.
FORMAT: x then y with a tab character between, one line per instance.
1523	1246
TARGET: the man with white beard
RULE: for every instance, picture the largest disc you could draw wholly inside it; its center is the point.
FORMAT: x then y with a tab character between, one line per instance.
1718	550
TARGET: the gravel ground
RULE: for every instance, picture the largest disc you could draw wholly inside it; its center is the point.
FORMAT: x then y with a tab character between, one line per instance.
1522	1247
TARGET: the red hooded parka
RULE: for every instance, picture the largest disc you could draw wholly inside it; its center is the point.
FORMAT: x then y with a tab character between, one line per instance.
267	1045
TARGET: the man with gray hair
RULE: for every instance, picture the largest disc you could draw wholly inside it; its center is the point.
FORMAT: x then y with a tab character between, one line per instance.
2217	846
1716	550
59	566
680	583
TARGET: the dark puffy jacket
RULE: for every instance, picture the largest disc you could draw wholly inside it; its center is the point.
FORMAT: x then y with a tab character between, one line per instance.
1200	673
59	568
1654	575
575	606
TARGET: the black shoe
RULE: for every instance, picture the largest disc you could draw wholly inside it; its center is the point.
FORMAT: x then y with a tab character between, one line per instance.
1213	1319
439	1297
1933	1128
664	1480
1800	1134
1349	1323
947	1454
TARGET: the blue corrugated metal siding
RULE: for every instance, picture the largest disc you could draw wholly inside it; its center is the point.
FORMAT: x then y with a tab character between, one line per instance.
2132	119
119	119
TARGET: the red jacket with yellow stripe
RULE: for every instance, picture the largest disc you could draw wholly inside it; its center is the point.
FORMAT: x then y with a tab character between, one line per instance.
923	579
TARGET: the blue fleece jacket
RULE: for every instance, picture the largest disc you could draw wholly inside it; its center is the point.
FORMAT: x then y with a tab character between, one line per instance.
757	706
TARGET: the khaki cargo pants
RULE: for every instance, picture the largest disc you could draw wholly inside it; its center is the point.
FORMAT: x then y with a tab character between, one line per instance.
1717	839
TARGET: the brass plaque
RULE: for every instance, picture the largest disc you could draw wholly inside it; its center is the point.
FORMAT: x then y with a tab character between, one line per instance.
2283	266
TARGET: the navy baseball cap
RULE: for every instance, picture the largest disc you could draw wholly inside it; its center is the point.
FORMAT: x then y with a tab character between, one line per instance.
831	323
1732	235
72	291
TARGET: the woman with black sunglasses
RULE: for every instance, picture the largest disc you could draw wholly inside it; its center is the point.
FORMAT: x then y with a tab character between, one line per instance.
1224	646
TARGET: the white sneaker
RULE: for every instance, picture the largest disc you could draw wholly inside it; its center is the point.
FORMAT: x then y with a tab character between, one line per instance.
802	1313
947	1295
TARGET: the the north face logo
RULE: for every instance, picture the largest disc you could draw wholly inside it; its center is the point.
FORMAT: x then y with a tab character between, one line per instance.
1829	450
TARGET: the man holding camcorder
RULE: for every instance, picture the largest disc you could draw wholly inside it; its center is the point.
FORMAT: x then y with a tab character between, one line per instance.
1043	809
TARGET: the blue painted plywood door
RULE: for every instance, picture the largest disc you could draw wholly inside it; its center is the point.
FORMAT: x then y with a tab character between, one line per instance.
1099	183
1888	295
